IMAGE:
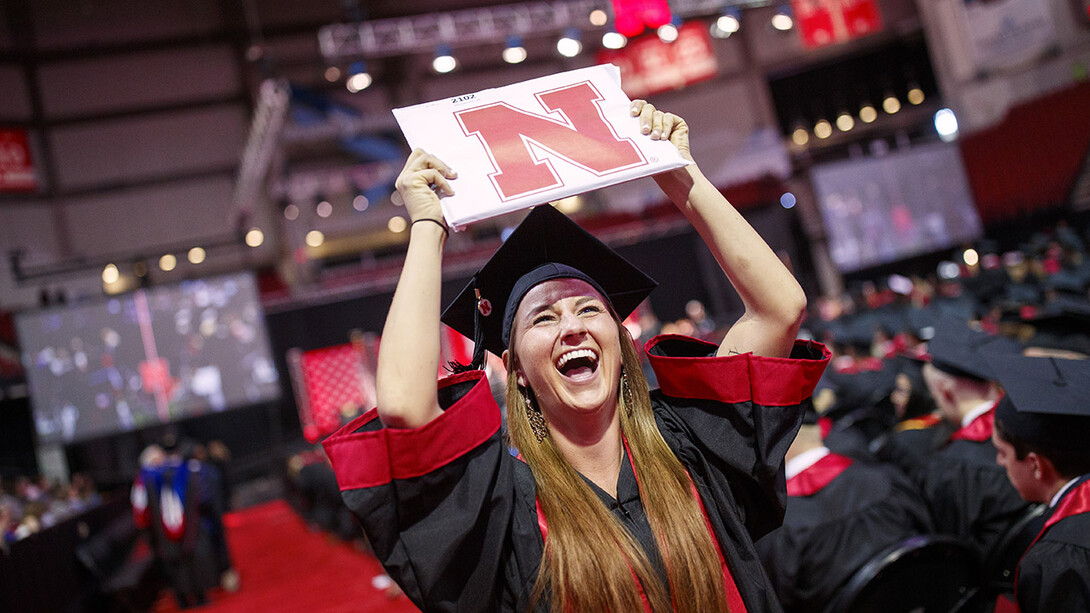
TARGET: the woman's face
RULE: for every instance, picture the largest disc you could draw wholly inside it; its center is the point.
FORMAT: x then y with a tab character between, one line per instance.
568	348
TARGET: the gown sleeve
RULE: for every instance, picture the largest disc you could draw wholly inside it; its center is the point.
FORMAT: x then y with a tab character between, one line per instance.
1053	575
740	414
432	499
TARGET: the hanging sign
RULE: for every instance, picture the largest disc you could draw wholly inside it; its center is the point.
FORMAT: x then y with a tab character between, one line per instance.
649	66
16	163
521	145
828	22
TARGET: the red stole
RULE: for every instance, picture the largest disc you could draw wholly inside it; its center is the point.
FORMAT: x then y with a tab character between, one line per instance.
978	430
818	475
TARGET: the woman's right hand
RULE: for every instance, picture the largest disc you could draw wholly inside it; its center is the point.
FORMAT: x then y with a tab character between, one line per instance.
424	179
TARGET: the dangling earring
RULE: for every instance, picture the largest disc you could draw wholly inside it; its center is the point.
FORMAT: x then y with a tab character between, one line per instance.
626	393
534	416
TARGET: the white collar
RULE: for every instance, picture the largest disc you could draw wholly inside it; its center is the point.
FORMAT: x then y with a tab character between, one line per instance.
1056	499
805	460
977	411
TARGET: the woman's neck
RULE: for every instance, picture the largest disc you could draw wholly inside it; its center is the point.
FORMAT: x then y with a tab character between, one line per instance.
595	452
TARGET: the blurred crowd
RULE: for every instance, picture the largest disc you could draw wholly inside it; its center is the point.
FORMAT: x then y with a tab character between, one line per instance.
31	504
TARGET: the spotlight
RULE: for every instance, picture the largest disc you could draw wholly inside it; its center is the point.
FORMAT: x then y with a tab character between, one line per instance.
614	40
324	209
867	113
598	18
788	200
360	203
358	77
782	20
946	124
891	104
332	74
254	237
915	95
844	121
397	224
168	262
971	257
514	52
110	274
314	238
667	32
726	25
569	45
823	129
196	255
444	62
291	212
800	136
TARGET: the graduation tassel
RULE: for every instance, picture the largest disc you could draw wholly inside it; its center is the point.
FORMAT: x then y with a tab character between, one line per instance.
477	361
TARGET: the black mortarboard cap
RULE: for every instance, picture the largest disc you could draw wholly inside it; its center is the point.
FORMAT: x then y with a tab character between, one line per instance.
1046	400
1063	323
550	245
959	350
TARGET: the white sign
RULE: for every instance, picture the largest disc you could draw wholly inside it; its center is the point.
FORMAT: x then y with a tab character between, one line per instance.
1007	33
521	145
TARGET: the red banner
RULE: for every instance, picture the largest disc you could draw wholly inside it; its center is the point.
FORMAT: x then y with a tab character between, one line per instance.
16	162
827	22
649	66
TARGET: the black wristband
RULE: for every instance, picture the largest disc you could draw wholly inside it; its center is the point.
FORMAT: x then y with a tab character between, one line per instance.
433	220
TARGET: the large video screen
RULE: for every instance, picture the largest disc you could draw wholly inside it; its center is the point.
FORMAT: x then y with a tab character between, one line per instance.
146	358
882	209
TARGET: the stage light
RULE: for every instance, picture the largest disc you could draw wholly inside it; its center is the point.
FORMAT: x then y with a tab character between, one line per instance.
254	237
196	255
782	20
358	77
823	129
946	124
569	45
397	224
514	52
800	136
332	74
667	32
726	24
360	203
324	209
110	274
915	95
614	40
971	257
788	200
444	61
598	18
891	104
314	238
844	121
168	262
291	212
867	113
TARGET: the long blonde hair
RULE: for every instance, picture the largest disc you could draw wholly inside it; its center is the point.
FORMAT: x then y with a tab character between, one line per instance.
589	558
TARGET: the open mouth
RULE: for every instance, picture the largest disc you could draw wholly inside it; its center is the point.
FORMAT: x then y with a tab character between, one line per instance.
578	364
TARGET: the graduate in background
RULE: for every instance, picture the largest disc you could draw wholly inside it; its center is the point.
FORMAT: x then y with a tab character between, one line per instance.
1042	434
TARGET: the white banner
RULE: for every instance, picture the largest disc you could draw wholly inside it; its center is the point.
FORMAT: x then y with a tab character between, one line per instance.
525	144
1006	33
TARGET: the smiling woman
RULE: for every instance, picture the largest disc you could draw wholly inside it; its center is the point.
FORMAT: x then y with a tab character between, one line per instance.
620	497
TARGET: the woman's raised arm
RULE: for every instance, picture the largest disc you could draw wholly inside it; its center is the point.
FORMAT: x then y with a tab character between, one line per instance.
773	299
408	357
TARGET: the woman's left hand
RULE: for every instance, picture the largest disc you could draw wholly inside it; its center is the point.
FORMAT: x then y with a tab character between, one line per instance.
662	126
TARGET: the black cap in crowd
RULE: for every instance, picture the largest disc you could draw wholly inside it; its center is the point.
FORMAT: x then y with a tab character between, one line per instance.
959	350
546	245
1047	401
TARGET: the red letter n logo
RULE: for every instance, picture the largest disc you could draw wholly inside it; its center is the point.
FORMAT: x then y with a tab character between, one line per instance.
522	145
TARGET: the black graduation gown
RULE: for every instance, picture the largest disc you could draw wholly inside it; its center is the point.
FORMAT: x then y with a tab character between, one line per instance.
969	494
1054	573
830	533
452	514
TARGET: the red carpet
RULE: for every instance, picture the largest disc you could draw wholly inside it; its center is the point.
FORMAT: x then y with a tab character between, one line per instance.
285	567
